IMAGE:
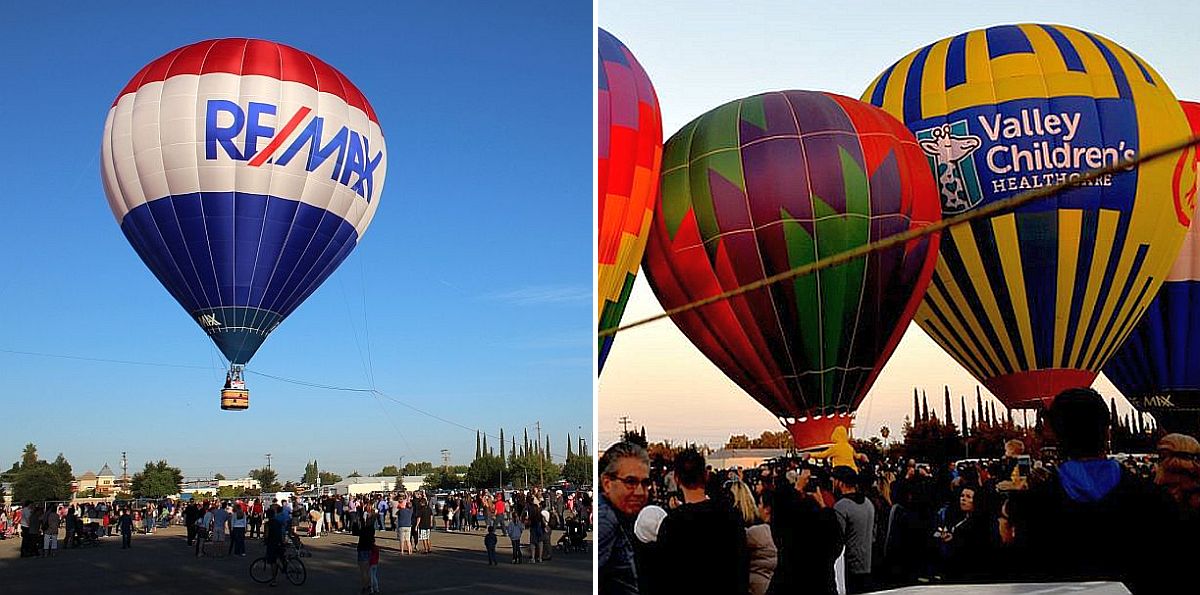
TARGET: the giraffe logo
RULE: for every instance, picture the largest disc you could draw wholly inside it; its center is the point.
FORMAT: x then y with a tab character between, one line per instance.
948	148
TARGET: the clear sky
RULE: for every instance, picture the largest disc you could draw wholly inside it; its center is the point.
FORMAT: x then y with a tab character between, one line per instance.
469	297
700	55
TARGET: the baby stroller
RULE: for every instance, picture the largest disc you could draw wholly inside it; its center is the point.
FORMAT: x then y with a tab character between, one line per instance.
87	535
573	539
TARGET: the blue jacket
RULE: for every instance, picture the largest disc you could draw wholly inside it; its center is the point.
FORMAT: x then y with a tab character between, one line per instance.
618	572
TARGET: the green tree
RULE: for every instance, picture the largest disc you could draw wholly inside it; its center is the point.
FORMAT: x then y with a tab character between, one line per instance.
10	475
40	481
229	492
329	478
932	441
219	477
267	478
577	470
388	471
156	480
439	479
418	468
311	473
29	455
63	468
485	472
355	473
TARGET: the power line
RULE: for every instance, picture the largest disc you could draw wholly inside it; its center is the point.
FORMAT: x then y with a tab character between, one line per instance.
995	208
372	391
105	360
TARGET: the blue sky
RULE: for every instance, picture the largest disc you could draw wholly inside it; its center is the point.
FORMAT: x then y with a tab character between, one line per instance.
700	55
469	297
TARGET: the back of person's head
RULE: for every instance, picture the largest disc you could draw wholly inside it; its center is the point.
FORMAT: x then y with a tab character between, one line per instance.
1014	448
743	502
1178	469
1079	419
689	467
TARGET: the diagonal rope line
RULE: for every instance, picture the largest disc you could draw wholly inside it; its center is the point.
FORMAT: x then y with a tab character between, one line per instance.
995	208
104	360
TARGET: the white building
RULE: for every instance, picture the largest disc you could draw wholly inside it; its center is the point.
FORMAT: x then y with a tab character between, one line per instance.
366	485
412	483
245	483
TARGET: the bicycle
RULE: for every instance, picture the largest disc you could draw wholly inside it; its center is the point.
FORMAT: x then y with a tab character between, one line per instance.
293	568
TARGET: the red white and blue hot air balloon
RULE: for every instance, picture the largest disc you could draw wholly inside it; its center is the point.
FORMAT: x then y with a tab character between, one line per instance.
243	172
1157	368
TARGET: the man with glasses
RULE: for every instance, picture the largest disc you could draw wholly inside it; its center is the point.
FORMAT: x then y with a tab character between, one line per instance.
624	484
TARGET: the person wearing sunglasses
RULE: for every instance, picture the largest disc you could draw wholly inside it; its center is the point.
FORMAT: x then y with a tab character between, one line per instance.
624	483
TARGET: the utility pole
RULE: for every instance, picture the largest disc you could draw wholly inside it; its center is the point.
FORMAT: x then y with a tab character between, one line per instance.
268	461
624	421
445	459
541	480
124	472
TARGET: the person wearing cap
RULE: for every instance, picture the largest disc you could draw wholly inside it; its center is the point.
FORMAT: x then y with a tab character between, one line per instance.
856	517
702	533
652	575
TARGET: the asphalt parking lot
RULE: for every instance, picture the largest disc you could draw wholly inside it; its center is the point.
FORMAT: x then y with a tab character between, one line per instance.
163	563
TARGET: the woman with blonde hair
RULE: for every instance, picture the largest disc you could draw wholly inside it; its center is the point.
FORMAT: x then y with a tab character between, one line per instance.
1178	472
759	545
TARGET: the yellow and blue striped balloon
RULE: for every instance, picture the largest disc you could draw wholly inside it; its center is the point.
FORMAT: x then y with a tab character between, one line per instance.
1035	301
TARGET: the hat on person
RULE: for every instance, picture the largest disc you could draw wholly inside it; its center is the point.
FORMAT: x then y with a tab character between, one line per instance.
647	523
844	474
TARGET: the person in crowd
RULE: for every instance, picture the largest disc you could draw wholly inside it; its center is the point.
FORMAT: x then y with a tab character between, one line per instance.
274	539
537	531
547	532
50	524
220	523
702	532
489	543
624	481
366	543
760	548
424	525
204	528
1089	519
967	538
191	514
72	525
125	524
237	530
515	528
856	518
404	522
807	537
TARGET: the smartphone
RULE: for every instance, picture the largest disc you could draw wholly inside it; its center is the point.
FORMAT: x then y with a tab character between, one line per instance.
1024	464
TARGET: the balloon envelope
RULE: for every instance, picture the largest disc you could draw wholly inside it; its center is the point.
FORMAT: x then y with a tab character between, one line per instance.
629	154
242	172
1034	301
1157	368
762	185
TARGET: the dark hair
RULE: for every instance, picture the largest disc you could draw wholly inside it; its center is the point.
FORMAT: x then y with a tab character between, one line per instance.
689	468
1079	419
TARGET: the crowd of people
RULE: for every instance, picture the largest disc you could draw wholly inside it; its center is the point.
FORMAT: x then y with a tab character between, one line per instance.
529	519
862	524
38	525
